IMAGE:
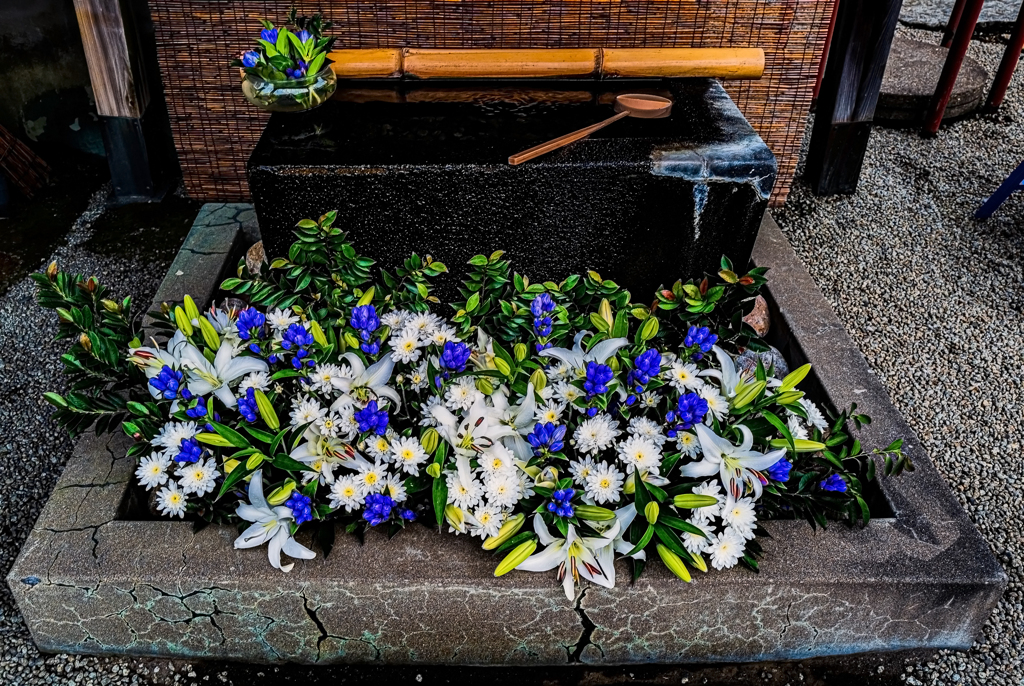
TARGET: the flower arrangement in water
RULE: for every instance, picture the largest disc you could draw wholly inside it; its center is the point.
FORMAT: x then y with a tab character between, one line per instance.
560	423
289	69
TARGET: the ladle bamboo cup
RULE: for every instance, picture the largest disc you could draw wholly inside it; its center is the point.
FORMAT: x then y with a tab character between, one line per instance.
628	105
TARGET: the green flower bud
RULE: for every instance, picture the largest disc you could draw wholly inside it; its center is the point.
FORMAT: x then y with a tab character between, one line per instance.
254	461
691	501
190	308
699	563
507	531
429	440
453	516
801	445
502	366
614	364
484	386
516	557
351	340
434	470
210	336
674	563
539	380
182	321
651	512
594	513
279	495
110	306
266	409
604	310
520	351
649	329
787	397
318	334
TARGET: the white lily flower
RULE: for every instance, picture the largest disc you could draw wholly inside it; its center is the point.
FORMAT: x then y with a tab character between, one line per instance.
737	466
519	417
482	356
204	378
151	360
476	433
728	377
369	383
575	556
577	358
271	524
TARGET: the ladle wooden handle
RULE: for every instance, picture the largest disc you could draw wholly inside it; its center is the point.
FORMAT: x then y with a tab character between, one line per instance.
543	148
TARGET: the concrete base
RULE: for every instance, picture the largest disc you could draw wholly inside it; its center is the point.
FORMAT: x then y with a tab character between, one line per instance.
89	580
910	79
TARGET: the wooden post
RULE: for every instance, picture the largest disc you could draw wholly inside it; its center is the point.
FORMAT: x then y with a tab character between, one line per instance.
1007	65
119	86
849	93
951	67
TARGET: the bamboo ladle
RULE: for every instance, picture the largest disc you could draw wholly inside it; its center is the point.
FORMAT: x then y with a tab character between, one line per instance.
627	105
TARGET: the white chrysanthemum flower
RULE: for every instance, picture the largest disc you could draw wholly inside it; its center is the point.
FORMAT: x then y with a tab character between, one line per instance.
441	335
488	521
726	549
423	323
550	413
418	377
427	417
740	515
649	399
394	487
712	488
379	447
173	433
687	443
405	346
408	454
348	426
642	426
345	493
525	485
258	381
547	394
462	394
814	416
497	459
328	426
694	543
604	484
797	427
559	371
171	501
464	493
306	410
641	454
326	378
683	377
503	489
581	469
717	404
566	392
323	470
152	471
199	477
281	319
395	319
371	478
596	434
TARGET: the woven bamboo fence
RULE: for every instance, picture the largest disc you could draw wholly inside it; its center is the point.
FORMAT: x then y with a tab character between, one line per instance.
215	129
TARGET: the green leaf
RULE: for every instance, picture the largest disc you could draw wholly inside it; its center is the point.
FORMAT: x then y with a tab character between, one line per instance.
440	497
236	475
260	435
642	543
230	435
282	461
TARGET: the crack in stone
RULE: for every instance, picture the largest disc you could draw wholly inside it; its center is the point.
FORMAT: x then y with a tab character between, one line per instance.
588	627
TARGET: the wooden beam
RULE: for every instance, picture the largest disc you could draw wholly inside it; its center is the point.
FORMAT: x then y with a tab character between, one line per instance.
849	93
109	43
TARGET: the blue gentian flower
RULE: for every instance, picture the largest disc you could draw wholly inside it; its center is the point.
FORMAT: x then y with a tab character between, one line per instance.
247	405
542	346
199	411
780	470
561	503
541	305
647	366
301	507
304	35
546	438
269	35
407	515
190	451
454	356
377	508
834	482
700	338
167	383
250	321
598	376
298	338
364	318
372	419
250	59
690	410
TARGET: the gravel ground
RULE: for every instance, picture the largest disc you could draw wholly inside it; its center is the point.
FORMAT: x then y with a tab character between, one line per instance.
934	299
901	261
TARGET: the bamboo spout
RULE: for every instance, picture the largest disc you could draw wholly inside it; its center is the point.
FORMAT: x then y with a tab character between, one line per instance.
596	63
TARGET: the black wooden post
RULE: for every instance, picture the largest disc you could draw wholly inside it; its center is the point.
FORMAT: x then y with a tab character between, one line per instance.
849	93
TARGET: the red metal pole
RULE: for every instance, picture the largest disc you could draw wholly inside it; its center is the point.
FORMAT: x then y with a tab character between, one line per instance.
950	70
954	21
828	44
1007	65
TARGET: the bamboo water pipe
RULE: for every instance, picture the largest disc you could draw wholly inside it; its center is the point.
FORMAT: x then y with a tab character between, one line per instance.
597	63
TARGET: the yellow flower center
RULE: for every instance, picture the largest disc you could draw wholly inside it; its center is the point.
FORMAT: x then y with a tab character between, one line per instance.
371	478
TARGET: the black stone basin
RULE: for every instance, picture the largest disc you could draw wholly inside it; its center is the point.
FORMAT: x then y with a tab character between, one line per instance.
423	167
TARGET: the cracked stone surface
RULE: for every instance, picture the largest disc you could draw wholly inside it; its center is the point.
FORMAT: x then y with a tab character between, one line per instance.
90	581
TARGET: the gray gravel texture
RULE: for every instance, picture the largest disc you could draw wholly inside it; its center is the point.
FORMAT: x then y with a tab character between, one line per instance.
935	301
995	14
